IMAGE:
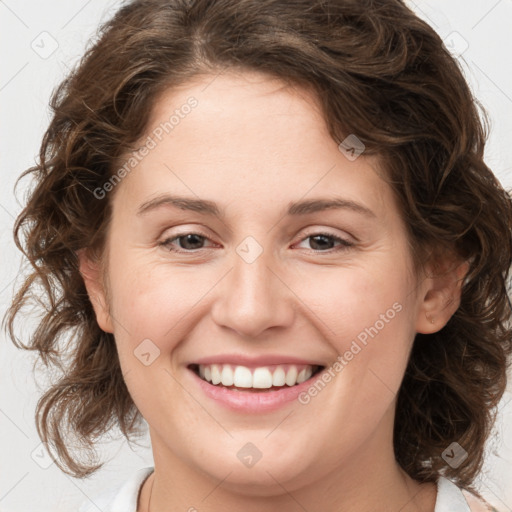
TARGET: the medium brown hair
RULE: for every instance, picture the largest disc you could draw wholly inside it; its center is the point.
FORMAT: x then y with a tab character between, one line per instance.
380	73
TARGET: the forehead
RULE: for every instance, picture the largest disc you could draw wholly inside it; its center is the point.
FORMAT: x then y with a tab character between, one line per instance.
216	93
251	137
230	108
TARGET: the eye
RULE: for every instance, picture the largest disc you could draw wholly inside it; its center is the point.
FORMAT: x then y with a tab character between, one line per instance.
187	242
190	242
324	242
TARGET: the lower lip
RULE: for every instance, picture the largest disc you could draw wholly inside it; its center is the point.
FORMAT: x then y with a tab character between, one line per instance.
253	401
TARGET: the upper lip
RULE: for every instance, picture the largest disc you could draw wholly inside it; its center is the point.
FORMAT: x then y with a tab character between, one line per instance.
254	361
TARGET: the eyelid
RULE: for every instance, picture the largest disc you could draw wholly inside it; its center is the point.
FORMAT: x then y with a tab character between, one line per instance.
166	240
343	243
312	232
183	231
315	231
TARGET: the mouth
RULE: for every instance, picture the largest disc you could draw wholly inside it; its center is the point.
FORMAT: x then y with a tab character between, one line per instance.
255	379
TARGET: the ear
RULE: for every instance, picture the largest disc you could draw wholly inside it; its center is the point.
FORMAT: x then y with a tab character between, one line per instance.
440	294
92	273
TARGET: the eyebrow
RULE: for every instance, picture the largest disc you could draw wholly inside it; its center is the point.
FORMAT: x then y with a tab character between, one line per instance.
318	205
206	207
182	202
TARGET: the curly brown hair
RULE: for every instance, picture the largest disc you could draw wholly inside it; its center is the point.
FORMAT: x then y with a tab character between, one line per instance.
379	72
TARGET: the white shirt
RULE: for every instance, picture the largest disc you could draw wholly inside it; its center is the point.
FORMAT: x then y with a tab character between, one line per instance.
124	499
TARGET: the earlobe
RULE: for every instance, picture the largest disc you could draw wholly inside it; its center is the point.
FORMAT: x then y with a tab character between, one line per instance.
441	296
91	272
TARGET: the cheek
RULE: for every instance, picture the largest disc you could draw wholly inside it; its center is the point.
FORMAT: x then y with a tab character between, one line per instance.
155	301
367	316
350	300
153	312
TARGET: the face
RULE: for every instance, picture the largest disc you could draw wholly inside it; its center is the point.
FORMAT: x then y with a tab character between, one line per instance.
220	251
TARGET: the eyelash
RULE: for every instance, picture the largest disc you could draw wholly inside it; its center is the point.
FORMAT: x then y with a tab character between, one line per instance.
344	244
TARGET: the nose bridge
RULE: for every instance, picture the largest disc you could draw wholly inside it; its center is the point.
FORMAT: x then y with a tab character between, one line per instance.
252	298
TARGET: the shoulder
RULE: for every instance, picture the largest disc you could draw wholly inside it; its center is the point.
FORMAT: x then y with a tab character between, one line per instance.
121	499
476	504
451	498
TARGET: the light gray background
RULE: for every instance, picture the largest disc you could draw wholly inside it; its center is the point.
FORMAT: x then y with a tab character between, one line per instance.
39	42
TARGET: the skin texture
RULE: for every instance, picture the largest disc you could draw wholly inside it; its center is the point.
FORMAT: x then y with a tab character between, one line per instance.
253	145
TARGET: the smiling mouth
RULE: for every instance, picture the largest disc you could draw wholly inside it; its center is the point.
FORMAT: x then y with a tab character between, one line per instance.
262	378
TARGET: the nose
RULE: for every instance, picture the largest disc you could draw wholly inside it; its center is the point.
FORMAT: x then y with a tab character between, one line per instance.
253	298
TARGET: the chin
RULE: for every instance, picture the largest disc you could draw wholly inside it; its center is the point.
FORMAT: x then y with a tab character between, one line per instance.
266	476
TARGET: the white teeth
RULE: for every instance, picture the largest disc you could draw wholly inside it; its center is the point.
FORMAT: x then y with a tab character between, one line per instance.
259	378
262	378
304	374
278	379
242	377
216	378
227	375
291	376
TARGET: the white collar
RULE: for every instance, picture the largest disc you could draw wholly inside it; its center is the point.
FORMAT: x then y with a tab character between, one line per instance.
450	497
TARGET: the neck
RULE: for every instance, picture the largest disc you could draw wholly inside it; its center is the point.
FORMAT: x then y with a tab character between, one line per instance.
371	481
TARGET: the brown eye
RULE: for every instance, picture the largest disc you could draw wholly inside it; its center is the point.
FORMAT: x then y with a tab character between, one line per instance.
323	242
185	242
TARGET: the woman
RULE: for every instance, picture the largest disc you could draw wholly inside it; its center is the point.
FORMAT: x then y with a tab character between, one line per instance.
267	229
